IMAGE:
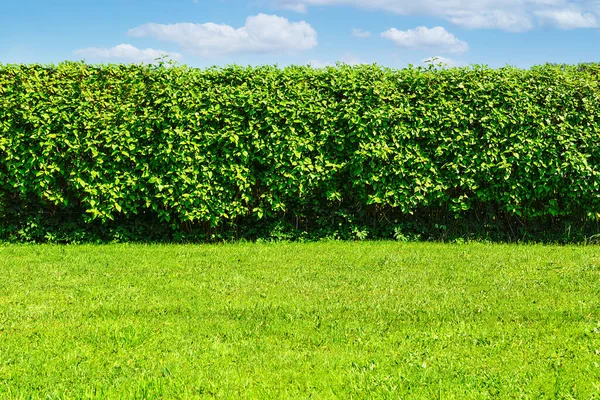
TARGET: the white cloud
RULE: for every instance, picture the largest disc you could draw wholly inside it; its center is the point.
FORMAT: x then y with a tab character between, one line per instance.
320	64
448	62
568	19
261	34
292	5
126	53
352	60
494	19
361	33
427	38
508	15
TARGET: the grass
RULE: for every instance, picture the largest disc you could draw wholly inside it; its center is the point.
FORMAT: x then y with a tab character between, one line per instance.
321	320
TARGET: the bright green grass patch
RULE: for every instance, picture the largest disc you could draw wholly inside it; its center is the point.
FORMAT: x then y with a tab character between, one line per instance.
321	320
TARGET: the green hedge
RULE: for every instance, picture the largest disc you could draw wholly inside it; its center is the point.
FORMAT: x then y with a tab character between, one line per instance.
139	152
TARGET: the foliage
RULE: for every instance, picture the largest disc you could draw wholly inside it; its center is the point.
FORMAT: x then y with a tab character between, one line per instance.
179	153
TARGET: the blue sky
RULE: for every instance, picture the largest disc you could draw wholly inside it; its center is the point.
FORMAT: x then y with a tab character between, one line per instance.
394	33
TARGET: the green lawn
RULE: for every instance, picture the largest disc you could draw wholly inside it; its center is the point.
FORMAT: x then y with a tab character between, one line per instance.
320	320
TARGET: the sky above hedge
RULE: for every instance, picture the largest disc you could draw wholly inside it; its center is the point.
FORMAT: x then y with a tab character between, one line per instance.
392	33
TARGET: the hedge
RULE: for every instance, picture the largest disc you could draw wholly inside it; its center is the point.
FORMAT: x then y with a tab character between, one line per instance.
170	152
